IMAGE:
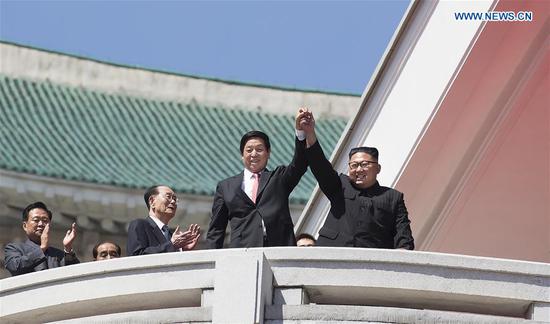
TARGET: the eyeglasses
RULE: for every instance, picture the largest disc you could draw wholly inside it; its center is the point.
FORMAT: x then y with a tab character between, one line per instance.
38	220
362	164
170	197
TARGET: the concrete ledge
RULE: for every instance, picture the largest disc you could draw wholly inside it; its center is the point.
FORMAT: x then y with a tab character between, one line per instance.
414	279
291	314
252	285
126	284
168	315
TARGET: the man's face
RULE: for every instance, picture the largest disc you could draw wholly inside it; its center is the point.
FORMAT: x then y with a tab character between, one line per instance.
107	251
165	203
362	170
35	223
305	242
255	155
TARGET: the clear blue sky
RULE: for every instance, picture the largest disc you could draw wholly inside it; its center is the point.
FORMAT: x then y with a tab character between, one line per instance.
320	45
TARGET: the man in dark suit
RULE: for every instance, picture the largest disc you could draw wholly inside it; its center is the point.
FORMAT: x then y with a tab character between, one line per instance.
255	201
152	235
35	253
362	213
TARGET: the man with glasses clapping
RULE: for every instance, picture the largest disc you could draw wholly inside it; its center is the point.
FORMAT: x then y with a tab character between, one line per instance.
152	235
36	254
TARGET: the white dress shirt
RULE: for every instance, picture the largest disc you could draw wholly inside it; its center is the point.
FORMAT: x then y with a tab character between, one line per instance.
157	221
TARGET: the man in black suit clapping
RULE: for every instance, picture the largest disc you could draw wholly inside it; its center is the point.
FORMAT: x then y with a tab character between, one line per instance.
151	234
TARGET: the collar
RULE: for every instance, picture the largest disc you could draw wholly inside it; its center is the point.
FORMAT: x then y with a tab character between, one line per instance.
350	191
371	189
248	174
31	241
157	221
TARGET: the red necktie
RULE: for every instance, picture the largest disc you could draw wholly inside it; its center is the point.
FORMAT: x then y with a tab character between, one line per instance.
255	183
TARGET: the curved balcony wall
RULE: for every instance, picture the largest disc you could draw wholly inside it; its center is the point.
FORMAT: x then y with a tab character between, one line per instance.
283	285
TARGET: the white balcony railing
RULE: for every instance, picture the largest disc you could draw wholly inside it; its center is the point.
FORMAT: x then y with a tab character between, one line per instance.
284	285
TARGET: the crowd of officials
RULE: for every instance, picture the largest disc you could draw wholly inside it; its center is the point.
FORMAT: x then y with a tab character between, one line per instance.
254	203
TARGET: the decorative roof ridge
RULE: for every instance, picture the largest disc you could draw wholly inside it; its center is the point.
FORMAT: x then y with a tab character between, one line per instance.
191	102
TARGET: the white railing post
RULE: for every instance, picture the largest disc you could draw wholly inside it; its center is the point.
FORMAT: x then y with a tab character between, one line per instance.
243	285
539	312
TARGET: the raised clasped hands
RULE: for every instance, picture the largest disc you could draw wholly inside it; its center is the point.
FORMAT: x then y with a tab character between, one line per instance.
305	122
186	240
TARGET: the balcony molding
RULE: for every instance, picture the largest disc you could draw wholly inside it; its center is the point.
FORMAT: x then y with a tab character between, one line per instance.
259	285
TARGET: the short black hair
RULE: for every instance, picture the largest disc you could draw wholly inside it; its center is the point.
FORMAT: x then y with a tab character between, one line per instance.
372	151
94	250
34	205
151	191
258	134
305	236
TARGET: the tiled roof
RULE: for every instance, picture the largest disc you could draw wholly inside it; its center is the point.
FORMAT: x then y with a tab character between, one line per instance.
89	136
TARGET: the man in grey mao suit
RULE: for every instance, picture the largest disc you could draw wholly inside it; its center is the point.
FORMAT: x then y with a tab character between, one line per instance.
35	253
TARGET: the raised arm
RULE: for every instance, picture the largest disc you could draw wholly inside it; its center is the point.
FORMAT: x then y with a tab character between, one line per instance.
298	166
328	178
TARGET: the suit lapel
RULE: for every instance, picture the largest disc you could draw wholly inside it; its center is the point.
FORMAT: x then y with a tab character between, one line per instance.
264	179
156	230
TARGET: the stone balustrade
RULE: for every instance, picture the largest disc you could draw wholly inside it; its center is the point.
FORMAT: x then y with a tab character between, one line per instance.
284	285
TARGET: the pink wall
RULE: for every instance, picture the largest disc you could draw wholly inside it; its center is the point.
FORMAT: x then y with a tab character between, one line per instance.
479	182
504	210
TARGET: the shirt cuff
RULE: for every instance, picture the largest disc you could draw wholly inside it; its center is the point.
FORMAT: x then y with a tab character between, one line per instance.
300	134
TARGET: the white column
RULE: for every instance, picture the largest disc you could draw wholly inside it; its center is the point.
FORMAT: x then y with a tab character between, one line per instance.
539	312
243	285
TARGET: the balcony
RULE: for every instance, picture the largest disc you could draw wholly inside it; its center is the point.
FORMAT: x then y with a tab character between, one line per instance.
284	285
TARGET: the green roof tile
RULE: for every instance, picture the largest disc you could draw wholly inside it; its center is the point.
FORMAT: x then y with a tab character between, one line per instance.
83	135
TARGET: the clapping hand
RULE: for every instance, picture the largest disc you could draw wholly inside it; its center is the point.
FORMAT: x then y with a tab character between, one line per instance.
69	238
45	238
186	240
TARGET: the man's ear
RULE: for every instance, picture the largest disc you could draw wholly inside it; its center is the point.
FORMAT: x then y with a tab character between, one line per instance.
151	200
24	225
379	168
